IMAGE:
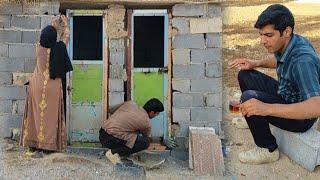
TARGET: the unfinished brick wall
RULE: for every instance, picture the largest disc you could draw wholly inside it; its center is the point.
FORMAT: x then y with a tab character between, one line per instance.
117	46
20	26
197	67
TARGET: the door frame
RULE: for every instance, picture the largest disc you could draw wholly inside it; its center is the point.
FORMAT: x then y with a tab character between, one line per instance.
166	63
80	12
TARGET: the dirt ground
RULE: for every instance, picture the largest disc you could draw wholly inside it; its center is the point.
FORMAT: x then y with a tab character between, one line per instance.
14	164
240	39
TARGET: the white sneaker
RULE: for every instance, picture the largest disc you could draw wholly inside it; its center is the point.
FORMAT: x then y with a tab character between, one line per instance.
258	155
240	122
114	158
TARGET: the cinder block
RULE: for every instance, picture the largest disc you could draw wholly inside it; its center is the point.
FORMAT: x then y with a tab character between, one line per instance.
207	85
197	100
115	71
4	50
48	7
117	44
182	100
206	25
10	9
22	51
183	143
12	92
5	21
8	122
18	107
29	65
214	11
26	22
115	98
213	70
5	125
181	25
182	130
188	10
36	9
5	78
16	121
15	134
10	36
181	85
206	55
303	148
213	100
216	126
205	151
181	56
117	57
194	71
116	85
5	106
206	114
214	40
19	79
30	36
11	65
179	153
191	41
181	115
45	21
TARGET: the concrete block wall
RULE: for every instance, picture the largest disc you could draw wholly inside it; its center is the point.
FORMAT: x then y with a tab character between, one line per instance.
20	27
117	37
197	67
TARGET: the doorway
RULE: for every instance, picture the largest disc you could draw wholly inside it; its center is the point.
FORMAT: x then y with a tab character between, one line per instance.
149	77
85	83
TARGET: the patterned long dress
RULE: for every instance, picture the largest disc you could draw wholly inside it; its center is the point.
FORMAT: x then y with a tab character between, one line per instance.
43	125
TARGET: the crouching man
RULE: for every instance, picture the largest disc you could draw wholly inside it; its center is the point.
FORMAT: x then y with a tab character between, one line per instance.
128	129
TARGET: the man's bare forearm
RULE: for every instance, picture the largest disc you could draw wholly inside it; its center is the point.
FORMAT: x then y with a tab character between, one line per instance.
303	110
269	62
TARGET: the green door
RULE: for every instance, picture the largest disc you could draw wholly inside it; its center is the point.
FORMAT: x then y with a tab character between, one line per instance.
149	77
85	83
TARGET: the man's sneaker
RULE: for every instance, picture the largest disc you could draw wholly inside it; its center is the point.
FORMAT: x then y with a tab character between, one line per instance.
114	158
240	122
259	155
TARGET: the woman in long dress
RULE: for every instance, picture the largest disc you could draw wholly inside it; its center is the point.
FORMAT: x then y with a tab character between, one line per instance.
43	126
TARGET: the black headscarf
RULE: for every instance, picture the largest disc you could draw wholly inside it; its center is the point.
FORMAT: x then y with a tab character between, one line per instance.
59	63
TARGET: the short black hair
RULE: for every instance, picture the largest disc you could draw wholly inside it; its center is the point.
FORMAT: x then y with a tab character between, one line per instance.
153	105
277	15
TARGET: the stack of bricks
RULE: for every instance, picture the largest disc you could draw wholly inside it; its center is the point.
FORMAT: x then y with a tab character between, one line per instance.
197	66
20	27
117	47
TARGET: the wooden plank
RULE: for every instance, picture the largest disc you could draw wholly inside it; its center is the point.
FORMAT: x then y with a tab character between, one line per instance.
129	54
169	73
105	67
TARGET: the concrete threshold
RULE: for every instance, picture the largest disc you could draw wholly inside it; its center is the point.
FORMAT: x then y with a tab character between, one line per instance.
94	151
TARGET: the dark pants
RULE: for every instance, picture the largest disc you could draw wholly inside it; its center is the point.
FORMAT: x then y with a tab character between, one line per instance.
119	146
254	84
